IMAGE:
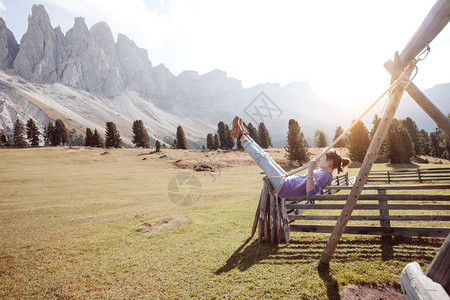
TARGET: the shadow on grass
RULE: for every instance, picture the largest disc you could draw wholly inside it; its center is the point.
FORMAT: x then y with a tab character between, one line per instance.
329	282
403	166
309	250
247	255
405	249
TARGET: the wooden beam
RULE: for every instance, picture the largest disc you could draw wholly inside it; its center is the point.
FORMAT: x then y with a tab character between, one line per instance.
441	120
434	22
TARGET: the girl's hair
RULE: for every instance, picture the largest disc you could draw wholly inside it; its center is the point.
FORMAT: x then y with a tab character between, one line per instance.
339	162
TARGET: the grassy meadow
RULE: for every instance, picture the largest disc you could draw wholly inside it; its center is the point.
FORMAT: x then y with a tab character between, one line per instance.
95	223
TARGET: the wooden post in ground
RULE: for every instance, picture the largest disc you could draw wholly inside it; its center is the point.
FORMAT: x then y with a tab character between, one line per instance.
434	22
441	120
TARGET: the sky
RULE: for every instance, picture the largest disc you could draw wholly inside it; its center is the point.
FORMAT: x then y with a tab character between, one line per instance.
338	47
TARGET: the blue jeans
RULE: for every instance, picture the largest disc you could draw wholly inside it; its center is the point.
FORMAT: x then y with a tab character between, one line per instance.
264	161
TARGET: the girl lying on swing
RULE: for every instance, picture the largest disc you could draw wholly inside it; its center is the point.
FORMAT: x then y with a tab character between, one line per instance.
319	173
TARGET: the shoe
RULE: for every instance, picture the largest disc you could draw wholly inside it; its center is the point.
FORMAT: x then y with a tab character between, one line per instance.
236	129
242	128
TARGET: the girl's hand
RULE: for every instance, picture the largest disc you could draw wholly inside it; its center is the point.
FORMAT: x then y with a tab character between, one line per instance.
311	166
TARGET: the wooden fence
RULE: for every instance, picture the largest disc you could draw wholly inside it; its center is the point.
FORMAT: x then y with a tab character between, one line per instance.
409	175
276	218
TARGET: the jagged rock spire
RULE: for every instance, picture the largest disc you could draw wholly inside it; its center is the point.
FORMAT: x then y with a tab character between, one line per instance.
8	46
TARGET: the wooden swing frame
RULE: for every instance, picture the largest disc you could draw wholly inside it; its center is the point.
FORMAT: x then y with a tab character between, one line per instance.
271	215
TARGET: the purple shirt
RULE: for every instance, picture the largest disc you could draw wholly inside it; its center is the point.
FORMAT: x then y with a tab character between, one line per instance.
295	186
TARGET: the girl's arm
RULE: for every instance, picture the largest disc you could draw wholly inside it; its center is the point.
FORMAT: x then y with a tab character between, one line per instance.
310	179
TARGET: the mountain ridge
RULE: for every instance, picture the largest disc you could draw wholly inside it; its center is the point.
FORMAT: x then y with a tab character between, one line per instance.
118	76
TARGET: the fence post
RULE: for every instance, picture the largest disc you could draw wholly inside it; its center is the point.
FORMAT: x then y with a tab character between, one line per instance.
418	173
388	177
384	212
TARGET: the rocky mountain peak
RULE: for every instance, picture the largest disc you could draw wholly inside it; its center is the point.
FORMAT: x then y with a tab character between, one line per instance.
103	36
8	46
36	59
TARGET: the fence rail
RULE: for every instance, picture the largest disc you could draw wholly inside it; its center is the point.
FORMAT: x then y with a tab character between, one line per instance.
410	175
434	208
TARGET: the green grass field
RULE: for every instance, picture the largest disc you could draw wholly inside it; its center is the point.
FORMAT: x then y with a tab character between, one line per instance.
79	224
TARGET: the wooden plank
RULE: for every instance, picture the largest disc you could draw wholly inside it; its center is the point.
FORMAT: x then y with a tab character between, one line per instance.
285	221
272	218
401	187
262	213
373	218
371	206
256	219
373	230
277	220
374	197
439	269
384	211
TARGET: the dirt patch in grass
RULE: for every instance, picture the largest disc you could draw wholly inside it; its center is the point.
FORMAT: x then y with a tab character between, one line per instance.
373	292
162	224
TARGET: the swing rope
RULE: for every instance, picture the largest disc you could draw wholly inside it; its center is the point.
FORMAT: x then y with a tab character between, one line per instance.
394	84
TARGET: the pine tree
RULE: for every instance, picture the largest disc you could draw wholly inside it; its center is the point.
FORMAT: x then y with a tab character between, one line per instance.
416	137
76	139
320	139
343	141
4	139
98	140
216	142
19	131
229	139
61	134
158	146
375	122
210	141
140	135
401	146
296	147
33	133
439	144
263	135
426	142
253	132
358	142
112	136
90	141
226	142
48	135
384	145
181	138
